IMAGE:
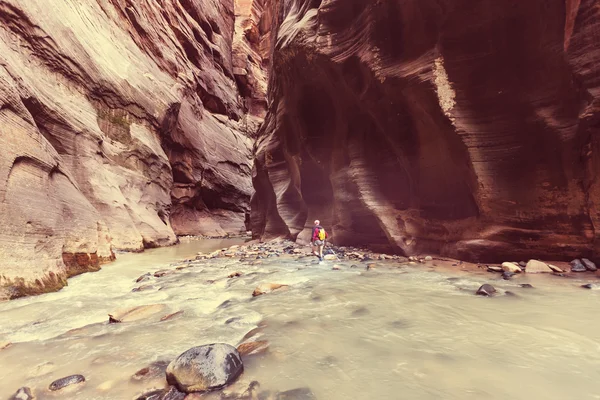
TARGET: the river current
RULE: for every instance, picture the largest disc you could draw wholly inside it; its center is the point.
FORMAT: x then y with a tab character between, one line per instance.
394	332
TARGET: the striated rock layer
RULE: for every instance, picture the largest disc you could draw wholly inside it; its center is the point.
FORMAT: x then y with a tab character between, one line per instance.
466	128
121	125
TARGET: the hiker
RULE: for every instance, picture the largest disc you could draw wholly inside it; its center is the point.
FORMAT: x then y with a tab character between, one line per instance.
318	239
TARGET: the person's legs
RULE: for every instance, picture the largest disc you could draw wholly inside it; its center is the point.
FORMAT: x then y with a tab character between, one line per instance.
321	246
314	248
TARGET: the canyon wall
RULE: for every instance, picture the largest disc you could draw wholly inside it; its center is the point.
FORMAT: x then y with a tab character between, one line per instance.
460	127
122	125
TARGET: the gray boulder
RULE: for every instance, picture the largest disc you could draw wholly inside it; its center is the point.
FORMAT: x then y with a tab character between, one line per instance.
205	368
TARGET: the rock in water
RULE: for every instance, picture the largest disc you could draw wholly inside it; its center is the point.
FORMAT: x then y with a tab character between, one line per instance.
205	368
66	381
590	266
577	266
511	267
535	266
266	288
506	275
23	393
526	285
134	313
486	290
556	269
593	286
296	394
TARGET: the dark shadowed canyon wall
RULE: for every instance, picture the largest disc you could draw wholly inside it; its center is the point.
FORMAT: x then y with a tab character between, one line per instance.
466	128
122	124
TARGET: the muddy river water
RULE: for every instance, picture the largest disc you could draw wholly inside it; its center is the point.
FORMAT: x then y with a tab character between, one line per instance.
394	332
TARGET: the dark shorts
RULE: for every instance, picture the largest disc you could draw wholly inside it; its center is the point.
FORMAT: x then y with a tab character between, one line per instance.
319	242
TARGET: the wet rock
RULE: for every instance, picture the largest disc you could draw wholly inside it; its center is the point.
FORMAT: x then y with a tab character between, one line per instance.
171	316
152	395
173	394
511	267
590	266
522	264
494	269
593	286
526	285
67	381
296	394
134	313
371	266
144	277
554	268
163	272
336	268
266	288
354	266
235	275
5	345
253	348
251	392
330	257
506	275
142	288
205	368
486	290
23	393
428	258
153	371
577	266
536	266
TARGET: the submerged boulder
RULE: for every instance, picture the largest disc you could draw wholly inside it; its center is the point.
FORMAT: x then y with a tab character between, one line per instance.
486	290
296	394
205	368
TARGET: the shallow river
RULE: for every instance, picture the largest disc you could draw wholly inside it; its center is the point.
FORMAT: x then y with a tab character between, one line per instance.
396	332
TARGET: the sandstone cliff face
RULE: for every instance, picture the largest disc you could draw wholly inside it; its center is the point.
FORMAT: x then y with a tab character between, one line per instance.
467	128
121	125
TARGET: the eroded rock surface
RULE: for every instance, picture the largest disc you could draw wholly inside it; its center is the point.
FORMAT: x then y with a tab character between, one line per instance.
465	128
122	124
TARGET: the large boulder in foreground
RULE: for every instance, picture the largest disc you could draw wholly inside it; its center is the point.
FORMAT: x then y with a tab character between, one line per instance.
205	368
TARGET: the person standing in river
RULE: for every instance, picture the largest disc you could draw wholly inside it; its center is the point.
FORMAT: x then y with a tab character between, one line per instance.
318	239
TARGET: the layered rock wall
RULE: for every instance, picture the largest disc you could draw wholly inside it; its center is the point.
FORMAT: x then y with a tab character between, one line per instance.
466	128
121	125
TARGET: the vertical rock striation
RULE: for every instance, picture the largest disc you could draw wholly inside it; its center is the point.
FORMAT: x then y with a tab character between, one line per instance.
121	125
467	128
